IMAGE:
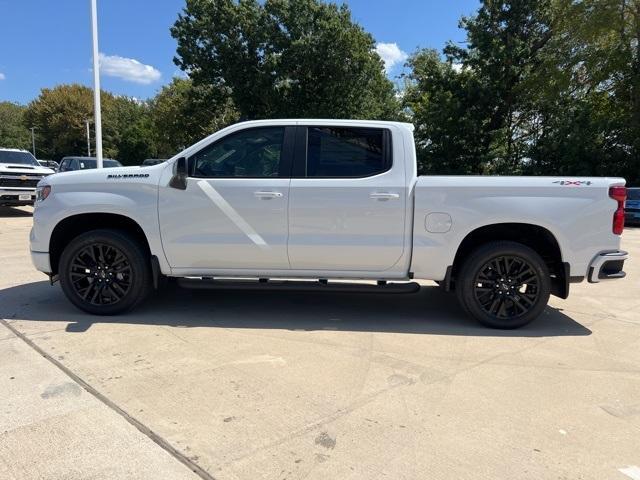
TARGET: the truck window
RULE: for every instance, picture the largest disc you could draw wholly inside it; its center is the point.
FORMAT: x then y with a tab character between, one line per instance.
346	152
251	153
18	157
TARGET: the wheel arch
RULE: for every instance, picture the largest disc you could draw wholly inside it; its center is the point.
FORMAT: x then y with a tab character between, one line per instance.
536	237
70	227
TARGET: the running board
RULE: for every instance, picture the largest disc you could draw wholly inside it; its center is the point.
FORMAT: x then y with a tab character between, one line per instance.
297	285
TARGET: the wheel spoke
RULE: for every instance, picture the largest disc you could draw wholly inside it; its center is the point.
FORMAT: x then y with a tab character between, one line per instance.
502	308
85	293
115	287
494	305
518	305
483	278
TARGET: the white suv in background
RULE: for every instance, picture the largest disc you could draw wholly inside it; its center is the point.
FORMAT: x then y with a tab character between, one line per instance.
20	173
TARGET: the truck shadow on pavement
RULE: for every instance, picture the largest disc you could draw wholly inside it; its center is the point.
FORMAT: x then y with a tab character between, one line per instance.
6	212
429	311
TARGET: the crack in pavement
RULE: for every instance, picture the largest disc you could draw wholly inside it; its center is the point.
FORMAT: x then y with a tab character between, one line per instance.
141	427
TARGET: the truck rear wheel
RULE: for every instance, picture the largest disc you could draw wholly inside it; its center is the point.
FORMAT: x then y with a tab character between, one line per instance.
105	272
503	285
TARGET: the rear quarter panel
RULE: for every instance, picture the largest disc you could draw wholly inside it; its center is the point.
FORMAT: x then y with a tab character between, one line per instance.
577	211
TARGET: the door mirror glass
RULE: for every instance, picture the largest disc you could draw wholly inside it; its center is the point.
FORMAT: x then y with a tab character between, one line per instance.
179	179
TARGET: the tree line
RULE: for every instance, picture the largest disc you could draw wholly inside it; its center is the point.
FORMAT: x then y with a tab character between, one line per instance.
540	87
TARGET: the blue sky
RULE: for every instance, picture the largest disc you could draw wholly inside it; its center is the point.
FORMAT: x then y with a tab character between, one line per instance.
48	42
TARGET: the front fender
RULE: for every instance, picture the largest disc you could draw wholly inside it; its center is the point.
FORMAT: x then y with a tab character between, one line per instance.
139	204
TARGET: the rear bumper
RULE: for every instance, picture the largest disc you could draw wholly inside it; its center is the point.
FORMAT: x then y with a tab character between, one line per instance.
41	261
607	266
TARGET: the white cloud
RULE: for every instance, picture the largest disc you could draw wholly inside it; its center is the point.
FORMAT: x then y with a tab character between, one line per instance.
2	76
128	69
180	74
391	55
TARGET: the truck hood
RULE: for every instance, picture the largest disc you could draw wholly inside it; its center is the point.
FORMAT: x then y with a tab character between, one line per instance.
17	168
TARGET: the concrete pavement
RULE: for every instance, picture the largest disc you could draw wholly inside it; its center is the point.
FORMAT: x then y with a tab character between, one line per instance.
280	385
51	428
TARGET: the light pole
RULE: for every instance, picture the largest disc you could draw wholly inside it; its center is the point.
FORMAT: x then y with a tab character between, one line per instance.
33	140
96	84
88	139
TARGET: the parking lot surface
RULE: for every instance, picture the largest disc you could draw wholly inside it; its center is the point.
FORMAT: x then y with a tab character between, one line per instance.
280	385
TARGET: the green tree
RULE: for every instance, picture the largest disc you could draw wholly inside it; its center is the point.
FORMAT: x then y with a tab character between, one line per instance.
284	58
474	106
13	133
136	142
449	109
127	131
506	42
182	113
60	114
541	87
589	91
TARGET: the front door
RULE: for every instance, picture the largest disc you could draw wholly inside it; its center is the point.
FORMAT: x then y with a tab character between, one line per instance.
233	214
348	200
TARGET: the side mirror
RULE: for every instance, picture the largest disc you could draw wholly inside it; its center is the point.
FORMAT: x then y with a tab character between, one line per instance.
179	179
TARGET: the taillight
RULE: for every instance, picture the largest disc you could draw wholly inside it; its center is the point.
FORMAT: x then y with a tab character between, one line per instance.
619	194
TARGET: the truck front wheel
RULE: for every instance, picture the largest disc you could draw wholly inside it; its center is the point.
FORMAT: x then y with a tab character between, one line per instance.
503	285
105	272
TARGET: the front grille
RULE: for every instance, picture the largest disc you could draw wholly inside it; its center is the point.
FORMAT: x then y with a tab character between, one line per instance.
16	182
13	197
632	210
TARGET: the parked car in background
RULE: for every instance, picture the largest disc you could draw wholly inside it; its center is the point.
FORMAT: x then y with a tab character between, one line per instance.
68	164
153	161
20	173
49	164
322	200
632	206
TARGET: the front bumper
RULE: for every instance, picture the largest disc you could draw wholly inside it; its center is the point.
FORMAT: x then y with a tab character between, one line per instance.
607	266
632	217
41	261
11	196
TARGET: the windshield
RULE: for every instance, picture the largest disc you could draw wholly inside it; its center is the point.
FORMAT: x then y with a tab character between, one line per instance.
22	158
633	194
88	163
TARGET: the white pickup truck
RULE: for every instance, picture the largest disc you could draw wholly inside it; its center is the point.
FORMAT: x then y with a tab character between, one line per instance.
323	200
20	172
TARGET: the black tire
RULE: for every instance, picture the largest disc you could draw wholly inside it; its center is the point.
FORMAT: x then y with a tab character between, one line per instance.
105	272
503	285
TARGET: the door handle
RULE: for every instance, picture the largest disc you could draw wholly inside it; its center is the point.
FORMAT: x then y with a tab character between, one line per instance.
267	195
384	196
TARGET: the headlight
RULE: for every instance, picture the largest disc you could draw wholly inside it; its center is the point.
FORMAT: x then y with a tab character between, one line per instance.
42	193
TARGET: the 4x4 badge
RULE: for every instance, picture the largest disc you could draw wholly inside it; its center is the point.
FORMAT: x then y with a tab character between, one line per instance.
573	183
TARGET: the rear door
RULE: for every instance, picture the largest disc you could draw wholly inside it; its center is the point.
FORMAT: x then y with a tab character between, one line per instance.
348	200
233	214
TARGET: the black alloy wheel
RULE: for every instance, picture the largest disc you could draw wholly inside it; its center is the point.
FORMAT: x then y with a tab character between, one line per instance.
503	284
105	272
507	287
101	274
